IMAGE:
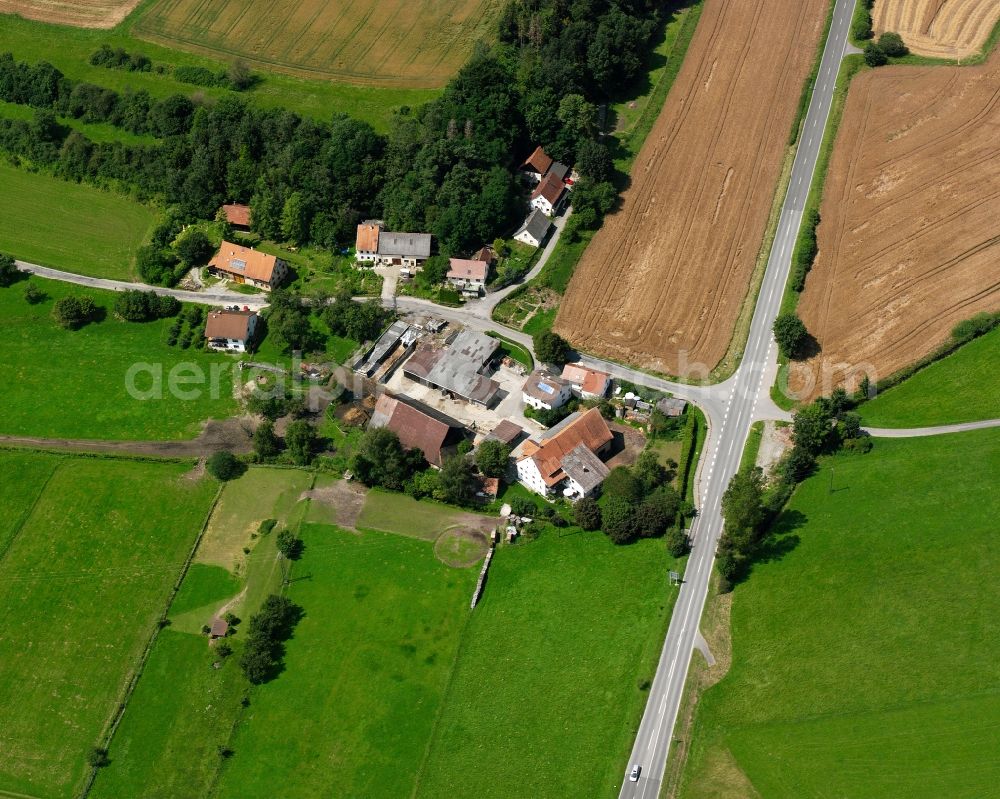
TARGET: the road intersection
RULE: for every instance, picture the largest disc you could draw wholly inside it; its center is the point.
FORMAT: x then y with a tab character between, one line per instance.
730	408
747	397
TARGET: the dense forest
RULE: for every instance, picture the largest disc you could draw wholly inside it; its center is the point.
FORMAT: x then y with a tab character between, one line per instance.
448	167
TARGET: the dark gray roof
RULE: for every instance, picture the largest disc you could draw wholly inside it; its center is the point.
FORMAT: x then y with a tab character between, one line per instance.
560	170
457	368
537	224
387	343
671	406
410	245
585	467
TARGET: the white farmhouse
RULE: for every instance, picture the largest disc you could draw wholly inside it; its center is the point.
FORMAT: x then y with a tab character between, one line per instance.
566	460
230	331
534	230
544	391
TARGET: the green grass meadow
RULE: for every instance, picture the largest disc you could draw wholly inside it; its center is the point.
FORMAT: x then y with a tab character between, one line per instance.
546	696
864	651
32	41
72	383
401	514
87	570
365	671
70	226
183	710
963	387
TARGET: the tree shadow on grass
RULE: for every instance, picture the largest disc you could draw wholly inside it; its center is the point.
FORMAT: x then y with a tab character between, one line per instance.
783	538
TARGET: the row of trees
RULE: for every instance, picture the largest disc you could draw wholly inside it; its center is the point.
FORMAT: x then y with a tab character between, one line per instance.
268	629
448	167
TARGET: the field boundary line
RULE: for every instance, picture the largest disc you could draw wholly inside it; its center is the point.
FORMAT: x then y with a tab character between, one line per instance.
448	687
118	714
29	512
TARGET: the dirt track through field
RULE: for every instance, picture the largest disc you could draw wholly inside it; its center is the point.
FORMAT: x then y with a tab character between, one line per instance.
79	13
662	283
909	243
939	28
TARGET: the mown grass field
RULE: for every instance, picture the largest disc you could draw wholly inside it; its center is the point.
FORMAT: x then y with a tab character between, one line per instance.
32	41
364	674
70	226
367	684
409	43
546	692
398	513
86	573
81	374
964	387
183	710
865	658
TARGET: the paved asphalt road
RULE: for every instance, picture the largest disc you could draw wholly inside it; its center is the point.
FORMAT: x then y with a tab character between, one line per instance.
725	447
730	407
209	297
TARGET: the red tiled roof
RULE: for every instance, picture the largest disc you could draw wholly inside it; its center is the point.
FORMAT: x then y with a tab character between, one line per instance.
237	214
235	259
590	381
589	429
416	430
551	188
464	269
229	324
367	238
538	161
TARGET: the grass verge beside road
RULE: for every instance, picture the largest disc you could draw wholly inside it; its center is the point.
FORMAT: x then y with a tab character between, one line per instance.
83	581
851	66
864	659
70	226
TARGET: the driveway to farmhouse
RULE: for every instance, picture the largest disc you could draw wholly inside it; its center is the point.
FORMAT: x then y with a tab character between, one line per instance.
483	307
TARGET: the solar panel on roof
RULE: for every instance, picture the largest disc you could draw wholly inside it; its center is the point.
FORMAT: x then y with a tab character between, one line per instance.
546	388
238	263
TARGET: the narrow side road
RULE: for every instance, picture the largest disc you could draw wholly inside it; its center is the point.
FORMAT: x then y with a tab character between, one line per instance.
209	297
938	430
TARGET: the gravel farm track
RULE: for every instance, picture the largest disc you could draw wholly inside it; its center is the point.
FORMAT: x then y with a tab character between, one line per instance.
909	242
78	13
666	276
952	29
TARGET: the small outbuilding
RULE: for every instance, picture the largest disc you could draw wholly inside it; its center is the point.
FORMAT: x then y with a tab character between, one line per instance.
219	629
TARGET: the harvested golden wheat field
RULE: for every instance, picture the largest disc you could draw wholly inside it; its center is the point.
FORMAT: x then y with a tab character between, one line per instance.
909	242
80	13
402	43
938	28
662	282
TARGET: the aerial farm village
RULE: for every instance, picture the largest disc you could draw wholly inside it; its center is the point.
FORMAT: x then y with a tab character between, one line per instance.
499	398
